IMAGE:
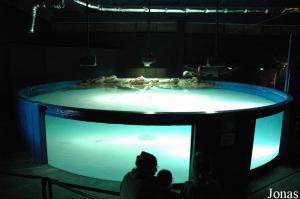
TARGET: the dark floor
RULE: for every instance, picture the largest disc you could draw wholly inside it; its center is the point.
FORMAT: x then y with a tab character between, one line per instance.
281	178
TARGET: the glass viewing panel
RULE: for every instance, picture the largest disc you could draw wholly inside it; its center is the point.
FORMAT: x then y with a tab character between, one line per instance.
266	139
108	151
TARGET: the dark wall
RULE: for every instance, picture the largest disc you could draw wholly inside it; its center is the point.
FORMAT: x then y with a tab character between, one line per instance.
58	58
173	50
36	64
48	56
12	30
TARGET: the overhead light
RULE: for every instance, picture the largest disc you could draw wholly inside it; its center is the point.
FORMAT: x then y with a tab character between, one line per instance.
213	62
88	59
261	68
148	60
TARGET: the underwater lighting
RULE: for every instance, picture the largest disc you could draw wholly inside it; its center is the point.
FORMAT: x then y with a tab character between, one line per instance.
210	111
150	113
108	151
263	151
78	138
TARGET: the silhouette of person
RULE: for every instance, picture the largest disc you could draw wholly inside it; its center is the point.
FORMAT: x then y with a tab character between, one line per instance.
165	181
140	182
202	185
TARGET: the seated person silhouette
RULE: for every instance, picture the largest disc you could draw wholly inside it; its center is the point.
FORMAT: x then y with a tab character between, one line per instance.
202	185
165	181
140	182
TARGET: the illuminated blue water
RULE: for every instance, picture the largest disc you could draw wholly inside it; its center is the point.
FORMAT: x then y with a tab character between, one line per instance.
108	151
266	139
154	100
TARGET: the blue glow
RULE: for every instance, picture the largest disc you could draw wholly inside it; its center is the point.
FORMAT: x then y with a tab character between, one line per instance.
209	100
266	139
108	151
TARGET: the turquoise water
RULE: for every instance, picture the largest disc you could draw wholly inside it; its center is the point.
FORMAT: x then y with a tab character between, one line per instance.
108	151
266	139
154	100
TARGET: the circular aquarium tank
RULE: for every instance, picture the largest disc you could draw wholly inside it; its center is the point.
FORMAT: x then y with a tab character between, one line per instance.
96	128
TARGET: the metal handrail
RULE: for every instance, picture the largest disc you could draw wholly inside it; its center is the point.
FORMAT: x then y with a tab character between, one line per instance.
47	183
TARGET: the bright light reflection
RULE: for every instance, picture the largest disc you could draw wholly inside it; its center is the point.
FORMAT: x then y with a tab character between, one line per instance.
262	155
154	100
262	151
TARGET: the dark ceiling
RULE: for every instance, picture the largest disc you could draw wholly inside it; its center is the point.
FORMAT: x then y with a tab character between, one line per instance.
243	12
200	3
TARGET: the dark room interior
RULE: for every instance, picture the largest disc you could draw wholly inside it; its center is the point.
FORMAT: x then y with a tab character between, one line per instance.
87	85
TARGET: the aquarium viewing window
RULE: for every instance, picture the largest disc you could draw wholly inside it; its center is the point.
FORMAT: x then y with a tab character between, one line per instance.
94	129
267	136
108	151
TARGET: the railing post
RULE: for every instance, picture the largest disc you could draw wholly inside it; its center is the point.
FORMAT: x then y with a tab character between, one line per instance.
44	190
50	193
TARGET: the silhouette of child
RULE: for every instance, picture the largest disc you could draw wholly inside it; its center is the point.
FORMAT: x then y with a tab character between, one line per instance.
165	180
